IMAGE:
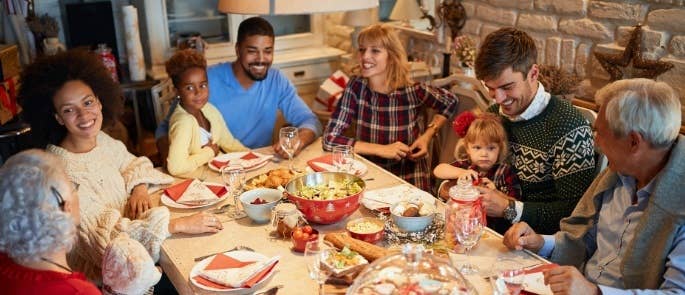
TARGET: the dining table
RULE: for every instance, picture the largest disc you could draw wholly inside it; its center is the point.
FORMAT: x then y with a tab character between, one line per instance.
178	252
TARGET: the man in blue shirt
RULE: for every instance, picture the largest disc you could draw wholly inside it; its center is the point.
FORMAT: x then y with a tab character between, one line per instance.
627	233
248	93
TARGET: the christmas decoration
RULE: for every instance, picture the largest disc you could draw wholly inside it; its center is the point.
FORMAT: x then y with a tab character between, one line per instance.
462	122
558	81
631	63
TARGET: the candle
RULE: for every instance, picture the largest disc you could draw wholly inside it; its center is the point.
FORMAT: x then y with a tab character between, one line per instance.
448	44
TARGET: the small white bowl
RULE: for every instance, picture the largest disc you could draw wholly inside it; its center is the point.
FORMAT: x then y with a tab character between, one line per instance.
260	213
412	224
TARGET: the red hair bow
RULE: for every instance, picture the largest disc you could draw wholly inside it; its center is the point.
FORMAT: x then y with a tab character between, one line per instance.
462	122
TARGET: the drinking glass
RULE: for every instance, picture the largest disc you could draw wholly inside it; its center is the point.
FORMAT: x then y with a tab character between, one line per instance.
511	274
234	178
343	158
468	229
289	140
316	253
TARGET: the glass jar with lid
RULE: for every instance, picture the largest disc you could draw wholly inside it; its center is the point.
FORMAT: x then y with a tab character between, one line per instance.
284	218
413	271
464	199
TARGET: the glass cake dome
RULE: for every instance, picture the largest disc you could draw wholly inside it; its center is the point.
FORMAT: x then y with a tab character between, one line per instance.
414	271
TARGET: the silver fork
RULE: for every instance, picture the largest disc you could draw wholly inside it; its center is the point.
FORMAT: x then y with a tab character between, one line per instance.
236	248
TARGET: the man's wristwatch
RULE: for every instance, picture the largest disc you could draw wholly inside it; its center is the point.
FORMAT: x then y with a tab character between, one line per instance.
509	213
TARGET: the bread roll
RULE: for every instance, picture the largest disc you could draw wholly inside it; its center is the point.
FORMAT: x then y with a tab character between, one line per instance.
370	251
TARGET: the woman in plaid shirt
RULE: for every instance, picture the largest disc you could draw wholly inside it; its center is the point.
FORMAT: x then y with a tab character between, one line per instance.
387	108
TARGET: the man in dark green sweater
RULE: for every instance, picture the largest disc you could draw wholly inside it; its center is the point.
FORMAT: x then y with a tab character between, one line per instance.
551	142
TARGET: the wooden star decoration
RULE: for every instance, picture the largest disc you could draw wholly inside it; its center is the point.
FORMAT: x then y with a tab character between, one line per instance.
630	63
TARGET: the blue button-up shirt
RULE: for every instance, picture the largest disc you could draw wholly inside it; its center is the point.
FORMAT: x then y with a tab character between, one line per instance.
614	230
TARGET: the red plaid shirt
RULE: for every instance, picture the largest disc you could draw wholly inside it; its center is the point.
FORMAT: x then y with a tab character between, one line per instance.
387	118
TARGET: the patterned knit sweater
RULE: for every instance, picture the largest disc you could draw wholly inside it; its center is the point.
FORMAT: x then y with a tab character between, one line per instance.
106	176
554	156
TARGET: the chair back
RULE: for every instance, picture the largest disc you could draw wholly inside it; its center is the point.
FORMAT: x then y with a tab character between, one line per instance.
601	161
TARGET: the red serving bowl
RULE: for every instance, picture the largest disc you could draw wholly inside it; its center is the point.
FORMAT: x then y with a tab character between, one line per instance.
366	233
324	211
299	244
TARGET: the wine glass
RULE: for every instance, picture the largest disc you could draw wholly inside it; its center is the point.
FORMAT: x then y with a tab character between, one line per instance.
316	252
468	229
509	271
289	140
234	178
343	158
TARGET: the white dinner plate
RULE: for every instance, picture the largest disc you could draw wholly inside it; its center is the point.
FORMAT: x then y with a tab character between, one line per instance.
385	197
248	165
238	255
358	167
167	201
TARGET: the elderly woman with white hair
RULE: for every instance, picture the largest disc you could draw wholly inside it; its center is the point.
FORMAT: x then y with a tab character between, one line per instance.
40	213
628	230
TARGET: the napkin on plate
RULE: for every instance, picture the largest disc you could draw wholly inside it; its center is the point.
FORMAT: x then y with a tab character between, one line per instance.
225	272
322	164
534	281
248	160
180	192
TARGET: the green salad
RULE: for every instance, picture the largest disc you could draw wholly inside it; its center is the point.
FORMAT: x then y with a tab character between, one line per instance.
331	190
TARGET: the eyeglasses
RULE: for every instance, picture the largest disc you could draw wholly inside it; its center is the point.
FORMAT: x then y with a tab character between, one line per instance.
58	196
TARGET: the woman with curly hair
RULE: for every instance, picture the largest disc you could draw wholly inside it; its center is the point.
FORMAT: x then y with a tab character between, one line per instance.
388	109
40	213
197	130
70	95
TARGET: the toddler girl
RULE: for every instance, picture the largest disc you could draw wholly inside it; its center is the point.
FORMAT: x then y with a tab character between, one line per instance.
481	155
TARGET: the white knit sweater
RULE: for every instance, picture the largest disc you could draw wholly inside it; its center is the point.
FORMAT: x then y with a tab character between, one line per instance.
106	176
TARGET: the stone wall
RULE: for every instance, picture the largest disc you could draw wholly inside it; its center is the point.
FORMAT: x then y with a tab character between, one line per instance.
567	32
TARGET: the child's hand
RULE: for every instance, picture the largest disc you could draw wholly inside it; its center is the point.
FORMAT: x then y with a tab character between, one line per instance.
213	146
486	182
469	175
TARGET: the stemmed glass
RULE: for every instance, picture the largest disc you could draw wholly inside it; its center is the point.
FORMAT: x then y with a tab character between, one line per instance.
343	158
289	140
468	229
234	177
316	252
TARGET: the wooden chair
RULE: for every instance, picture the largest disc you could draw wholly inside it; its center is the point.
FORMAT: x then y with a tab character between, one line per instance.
601	161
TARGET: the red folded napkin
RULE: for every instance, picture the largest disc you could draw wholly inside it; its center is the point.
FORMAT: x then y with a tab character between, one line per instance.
249	156
222	261
326	159
176	191
219	164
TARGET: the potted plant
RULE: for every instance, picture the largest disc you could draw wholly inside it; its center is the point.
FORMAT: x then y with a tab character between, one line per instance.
46	29
464	50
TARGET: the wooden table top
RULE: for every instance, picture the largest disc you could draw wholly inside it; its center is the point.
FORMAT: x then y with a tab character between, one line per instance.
179	251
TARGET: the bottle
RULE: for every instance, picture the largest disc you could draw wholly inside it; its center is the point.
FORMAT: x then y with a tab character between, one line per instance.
463	196
108	60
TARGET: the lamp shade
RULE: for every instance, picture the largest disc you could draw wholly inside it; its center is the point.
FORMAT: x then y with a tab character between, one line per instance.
360	18
405	10
278	7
